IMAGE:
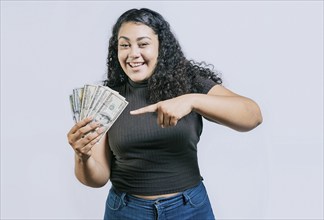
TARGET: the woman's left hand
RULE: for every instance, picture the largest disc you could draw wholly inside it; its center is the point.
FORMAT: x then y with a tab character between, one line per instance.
170	111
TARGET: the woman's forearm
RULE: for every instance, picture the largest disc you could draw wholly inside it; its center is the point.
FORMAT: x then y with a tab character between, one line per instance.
219	105
90	172
236	112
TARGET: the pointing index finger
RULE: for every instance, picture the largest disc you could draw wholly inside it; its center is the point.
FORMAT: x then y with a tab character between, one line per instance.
146	109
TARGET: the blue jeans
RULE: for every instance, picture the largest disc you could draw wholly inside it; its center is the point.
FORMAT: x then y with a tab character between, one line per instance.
191	204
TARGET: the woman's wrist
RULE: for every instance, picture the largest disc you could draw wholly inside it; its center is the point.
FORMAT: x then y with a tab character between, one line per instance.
82	159
193	100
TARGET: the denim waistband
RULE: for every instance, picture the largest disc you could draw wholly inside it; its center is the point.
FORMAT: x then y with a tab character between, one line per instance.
180	198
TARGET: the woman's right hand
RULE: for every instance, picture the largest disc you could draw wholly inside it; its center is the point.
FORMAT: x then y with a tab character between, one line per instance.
83	136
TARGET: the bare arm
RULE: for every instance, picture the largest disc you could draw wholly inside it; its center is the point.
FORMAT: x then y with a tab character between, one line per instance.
94	171
225	107
92	158
219	105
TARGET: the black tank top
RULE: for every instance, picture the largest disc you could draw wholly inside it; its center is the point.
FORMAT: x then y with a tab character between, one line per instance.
148	159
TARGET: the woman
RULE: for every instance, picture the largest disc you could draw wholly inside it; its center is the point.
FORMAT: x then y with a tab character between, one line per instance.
150	153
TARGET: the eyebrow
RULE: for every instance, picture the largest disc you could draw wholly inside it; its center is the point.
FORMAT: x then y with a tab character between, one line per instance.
137	39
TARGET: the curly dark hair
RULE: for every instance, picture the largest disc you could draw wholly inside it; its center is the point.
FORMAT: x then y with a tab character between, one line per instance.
174	74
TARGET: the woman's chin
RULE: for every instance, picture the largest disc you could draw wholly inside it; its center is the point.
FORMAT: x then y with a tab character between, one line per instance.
138	77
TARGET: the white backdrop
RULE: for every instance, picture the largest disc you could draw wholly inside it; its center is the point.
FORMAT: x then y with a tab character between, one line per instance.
270	51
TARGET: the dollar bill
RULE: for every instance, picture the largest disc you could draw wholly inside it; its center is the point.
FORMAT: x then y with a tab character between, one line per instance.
77	100
101	94
110	111
73	108
88	93
102	102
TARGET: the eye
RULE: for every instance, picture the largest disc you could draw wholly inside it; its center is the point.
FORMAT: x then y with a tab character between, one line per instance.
124	46
141	45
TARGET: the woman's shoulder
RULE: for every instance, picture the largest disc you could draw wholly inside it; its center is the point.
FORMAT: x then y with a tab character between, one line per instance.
202	84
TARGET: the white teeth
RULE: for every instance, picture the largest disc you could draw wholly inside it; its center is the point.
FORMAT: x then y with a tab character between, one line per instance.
135	64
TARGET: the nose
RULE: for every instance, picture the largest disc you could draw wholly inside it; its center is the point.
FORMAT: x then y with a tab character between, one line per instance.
134	52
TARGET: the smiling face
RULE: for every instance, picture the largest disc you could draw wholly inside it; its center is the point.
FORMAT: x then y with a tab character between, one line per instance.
138	49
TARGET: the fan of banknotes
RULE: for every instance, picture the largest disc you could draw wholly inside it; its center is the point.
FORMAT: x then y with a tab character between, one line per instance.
101	102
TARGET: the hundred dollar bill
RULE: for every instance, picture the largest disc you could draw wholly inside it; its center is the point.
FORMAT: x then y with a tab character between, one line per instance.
77	100
88	93
110	111
100	96
102	102
73	108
